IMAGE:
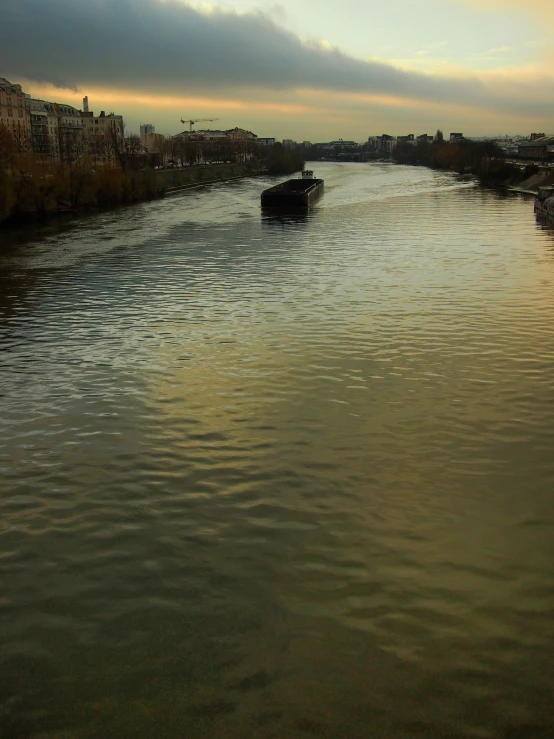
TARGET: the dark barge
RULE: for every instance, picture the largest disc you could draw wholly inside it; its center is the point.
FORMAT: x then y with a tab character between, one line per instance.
300	193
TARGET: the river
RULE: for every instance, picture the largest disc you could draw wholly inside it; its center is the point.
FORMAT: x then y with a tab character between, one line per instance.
280	476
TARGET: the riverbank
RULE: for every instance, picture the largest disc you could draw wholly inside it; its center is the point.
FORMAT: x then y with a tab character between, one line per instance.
533	184
527	181
42	197
483	160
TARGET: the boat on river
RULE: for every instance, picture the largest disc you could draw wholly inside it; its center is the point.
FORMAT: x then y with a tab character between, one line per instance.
297	193
544	202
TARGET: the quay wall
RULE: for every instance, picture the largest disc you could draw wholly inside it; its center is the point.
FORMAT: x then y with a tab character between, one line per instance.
169	178
534	183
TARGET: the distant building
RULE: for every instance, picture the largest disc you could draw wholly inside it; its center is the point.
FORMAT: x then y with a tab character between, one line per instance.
116	121
153	142
203	135
146	128
289	144
157	146
343	143
385	143
234	145
424	139
535	136
456	136
372	143
266	141
241	134
98	127
233	134
508	146
540	149
409	139
381	145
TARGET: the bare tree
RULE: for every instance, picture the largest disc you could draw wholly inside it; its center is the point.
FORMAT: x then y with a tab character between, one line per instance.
98	150
160	150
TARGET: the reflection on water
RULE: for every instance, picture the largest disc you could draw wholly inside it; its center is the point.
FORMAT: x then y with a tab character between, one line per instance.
291	475
281	217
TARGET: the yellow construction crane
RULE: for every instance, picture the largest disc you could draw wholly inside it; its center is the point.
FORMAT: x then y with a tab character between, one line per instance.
197	120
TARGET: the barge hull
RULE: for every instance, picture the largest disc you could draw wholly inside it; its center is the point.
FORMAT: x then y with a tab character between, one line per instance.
293	194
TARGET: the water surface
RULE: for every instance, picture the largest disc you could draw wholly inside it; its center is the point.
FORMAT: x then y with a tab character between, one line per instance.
267	476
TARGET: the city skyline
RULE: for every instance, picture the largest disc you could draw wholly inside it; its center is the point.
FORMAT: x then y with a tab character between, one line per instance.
288	71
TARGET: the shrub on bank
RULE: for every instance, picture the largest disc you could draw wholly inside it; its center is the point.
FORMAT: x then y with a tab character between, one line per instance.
6	195
109	187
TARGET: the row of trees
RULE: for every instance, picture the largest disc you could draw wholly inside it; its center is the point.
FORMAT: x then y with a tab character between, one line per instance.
67	145
96	173
183	150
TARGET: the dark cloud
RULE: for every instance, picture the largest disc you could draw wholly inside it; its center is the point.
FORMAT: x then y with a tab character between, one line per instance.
170	47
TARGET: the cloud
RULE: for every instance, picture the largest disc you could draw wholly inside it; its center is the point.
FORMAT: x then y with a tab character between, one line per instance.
169	47
543	10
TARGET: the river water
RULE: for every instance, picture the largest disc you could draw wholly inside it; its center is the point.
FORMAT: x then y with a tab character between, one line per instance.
280	476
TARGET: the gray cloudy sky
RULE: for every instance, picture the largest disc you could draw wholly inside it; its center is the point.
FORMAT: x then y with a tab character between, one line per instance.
150	58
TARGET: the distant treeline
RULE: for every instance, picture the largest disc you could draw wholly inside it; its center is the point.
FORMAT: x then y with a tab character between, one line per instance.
338	153
484	159
279	160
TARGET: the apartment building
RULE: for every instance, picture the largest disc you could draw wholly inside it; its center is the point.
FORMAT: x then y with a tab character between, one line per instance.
69	122
13	112
99	127
44	128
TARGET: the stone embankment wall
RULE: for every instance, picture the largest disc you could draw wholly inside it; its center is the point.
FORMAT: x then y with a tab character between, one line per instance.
536	181
531	185
175	178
